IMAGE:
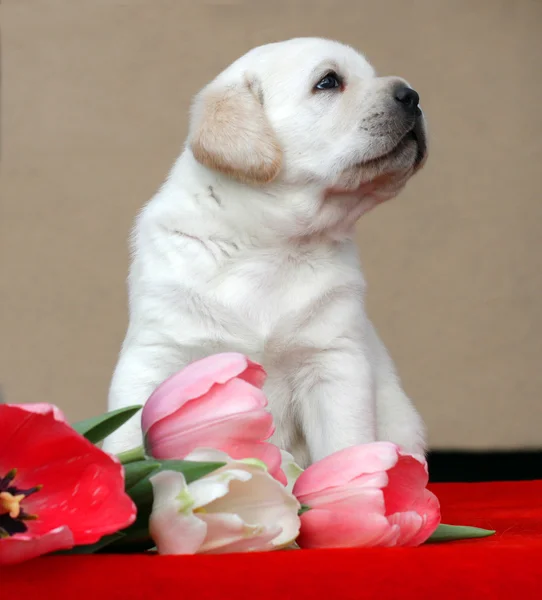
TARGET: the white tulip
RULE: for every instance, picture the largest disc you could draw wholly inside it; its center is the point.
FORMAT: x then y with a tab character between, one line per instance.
290	468
237	508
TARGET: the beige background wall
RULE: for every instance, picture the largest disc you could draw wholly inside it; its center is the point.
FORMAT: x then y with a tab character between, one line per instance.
94	102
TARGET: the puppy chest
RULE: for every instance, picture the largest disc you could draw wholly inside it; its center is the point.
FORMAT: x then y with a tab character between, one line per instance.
267	295
262	299
272	300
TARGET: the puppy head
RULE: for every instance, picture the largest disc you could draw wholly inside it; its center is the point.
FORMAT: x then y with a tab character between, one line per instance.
310	111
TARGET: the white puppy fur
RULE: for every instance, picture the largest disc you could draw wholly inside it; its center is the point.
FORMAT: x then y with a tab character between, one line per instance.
248	246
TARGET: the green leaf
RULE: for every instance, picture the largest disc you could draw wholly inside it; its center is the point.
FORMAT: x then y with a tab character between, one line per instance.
135	472
304	508
137	539
450	533
99	545
96	429
133	455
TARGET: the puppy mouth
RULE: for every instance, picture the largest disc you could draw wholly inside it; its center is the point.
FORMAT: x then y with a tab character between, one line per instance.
417	135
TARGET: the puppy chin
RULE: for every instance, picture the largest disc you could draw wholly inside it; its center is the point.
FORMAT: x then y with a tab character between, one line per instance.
382	177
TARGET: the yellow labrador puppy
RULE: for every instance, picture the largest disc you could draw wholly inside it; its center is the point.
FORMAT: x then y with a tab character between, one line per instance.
248	245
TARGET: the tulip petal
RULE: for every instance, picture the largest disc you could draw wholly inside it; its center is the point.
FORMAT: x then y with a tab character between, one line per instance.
407	482
229	533
222	400
16	419
266	452
19	548
195	380
261	543
208	489
43	408
290	469
97	503
281	477
207	455
429	507
261	500
379	479
410	524
345	465
226	529
346	493
388	539
352	519
176	439
322	528
172	524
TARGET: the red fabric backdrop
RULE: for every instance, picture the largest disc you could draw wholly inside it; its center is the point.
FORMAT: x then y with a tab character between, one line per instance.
508	565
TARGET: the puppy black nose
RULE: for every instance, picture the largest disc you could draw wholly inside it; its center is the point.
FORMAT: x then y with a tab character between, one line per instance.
408	97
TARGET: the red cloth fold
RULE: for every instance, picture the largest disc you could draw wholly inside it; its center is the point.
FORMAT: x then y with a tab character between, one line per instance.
507	565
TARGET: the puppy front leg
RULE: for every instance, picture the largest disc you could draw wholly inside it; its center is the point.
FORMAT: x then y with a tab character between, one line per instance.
141	368
337	402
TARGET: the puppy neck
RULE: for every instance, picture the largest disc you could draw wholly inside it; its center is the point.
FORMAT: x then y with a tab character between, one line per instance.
211	204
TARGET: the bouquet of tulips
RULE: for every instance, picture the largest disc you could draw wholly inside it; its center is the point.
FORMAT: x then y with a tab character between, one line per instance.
206	481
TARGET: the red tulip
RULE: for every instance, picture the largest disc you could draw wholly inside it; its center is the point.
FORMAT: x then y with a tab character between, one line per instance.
368	495
216	402
57	490
43	408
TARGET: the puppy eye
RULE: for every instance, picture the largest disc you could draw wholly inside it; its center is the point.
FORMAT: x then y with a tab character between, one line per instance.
330	82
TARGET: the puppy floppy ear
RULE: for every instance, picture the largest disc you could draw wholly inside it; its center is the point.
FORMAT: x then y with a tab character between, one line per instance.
230	133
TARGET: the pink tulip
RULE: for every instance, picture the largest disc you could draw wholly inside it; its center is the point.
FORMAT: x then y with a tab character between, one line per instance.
216	402
368	495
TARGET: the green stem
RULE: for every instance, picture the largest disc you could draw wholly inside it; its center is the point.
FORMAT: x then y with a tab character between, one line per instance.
132	455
